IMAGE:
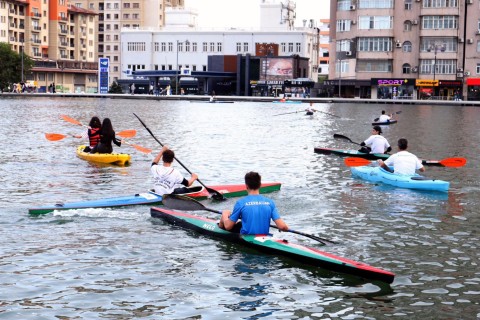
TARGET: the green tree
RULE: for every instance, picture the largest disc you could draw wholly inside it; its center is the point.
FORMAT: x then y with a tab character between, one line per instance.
11	70
115	88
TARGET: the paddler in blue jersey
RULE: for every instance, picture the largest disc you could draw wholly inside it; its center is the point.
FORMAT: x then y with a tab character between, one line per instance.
254	210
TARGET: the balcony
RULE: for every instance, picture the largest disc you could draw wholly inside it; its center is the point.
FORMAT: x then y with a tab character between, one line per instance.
63	56
37	41
37	54
63	43
37	15
63	31
37	28
13	25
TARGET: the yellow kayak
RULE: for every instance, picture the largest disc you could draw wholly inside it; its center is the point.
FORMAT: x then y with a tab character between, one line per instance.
120	159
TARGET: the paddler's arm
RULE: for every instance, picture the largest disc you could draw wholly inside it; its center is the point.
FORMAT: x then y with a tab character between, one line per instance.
159	155
281	224
225	222
383	165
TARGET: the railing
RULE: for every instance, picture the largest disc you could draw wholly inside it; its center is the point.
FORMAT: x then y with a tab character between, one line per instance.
37	14
13	25
63	31
37	54
37	28
64	44
37	41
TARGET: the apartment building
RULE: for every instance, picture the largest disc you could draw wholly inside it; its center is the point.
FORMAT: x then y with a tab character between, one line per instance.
115	15
421	49
59	37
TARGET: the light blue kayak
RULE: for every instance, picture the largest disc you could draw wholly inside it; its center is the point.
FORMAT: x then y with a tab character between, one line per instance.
418	182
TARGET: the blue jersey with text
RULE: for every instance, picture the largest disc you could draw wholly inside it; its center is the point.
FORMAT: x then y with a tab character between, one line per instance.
255	211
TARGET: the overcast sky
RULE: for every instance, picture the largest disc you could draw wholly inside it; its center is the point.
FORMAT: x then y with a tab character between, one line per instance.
245	13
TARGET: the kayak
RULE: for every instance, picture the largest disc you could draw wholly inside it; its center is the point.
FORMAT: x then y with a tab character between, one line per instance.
287	101
151	198
272	245
368	156
416	181
386	123
120	159
352	153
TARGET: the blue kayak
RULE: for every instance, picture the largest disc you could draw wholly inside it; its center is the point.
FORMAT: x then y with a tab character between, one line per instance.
418	182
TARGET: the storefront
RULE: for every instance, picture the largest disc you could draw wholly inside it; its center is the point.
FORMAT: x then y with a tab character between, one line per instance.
425	88
473	89
393	88
449	90
272	88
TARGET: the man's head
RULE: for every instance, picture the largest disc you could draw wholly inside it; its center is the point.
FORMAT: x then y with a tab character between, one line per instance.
383	111
402	144
168	156
377	129
253	180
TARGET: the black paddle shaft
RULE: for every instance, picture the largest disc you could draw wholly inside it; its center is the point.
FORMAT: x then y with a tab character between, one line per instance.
216	195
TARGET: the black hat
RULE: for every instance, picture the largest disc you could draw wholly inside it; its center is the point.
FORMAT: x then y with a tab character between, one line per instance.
377	128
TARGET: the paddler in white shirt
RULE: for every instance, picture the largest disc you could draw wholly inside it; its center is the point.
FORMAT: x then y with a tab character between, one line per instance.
376	143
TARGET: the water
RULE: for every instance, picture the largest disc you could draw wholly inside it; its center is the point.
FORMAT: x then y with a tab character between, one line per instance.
122	264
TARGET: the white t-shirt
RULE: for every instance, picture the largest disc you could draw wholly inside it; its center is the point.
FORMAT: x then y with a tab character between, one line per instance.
404	162
378	143
165	179
384	118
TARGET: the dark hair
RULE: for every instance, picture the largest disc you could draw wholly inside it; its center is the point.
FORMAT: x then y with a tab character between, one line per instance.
383	111
107	129
95	123
378	129
253	180
168	156
402	144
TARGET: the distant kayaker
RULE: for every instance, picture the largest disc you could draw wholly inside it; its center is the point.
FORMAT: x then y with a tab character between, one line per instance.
255	210
403	162
107	136
385	117
92	133
376	143
309	111
167	179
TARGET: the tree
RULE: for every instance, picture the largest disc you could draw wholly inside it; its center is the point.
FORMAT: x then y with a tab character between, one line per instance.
11	70
115	88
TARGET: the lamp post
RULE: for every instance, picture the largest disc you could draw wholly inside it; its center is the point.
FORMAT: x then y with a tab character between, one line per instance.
436	48
177	71
23	48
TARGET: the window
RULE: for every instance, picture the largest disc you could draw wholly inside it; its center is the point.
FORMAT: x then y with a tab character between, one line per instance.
406	69
343	25
407	26
290	47
440	3
170	47
187	46
449	43
212	46
126	5
477	69
205	47
239	47
442	66
341	66
375	22
375	4
245	46
380	44
284	47
299	47
439	22
219	47
376	65
408	4
407	46
343	5
194	47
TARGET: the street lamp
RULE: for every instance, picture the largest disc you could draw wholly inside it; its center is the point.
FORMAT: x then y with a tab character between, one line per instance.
23	48
177	71
436	48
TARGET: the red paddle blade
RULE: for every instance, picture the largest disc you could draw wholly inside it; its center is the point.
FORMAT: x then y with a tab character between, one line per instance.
356	162
54	136
127	133
453	162
71	120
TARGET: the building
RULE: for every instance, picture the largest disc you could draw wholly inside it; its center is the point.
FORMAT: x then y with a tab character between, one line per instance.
411	49
59	38
180	44
115	15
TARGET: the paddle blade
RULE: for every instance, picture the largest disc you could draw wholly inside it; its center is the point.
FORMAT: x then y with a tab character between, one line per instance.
453	162
178	202
127	133
356	162
340	136
142	149
54	136
71	120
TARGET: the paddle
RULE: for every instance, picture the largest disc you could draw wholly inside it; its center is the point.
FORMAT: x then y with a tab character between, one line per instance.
214	193
330	114
447	162
398	112
340	136
58	136
179	202
139	148
281	114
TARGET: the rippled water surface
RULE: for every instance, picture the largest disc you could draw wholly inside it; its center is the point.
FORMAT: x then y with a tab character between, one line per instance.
122	264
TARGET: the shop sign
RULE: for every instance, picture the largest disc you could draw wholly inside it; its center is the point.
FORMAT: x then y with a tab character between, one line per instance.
473	82
426	83
449	83
389	82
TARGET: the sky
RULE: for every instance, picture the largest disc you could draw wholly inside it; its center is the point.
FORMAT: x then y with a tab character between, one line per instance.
246	13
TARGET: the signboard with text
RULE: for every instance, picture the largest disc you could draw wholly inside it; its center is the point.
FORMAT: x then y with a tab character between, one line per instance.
103	66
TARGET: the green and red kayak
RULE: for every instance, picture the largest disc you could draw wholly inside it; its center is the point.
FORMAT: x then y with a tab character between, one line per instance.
272	245
448	162
151	198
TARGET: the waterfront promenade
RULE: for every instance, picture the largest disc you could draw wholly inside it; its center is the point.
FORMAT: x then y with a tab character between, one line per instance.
241	98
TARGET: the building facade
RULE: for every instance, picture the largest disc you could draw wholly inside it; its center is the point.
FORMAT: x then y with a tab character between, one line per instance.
419	49
59	37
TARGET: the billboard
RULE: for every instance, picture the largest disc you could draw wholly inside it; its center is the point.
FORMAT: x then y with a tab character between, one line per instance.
276	68
103	66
